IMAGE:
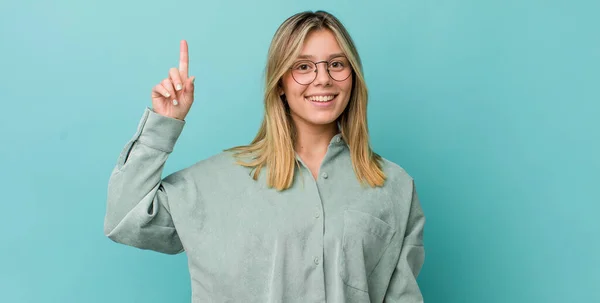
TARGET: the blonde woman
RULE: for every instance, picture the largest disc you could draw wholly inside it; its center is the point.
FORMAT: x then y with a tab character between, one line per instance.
306	212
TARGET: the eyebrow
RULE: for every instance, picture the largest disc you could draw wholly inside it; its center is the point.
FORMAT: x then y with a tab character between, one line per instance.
330	56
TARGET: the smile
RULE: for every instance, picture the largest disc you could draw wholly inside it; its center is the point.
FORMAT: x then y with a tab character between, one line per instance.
322	101
323	98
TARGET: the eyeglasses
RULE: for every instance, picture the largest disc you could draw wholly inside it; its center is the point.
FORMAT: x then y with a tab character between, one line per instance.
305	72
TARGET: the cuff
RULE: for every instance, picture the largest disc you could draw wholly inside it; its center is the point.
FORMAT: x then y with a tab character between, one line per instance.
158	131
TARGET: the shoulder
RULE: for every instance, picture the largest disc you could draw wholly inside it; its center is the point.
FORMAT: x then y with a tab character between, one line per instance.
218	168
223	162
396	175
399	184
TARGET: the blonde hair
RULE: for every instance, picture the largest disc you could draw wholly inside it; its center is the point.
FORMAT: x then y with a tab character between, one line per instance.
273	145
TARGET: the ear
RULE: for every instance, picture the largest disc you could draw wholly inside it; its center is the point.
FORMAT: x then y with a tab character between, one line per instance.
280	88
281	93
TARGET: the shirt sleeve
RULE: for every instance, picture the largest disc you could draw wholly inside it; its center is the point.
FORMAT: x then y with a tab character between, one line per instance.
137	209
403	285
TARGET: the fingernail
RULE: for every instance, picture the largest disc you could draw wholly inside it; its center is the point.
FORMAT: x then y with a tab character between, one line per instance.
178	86
168	95
193	80
175	102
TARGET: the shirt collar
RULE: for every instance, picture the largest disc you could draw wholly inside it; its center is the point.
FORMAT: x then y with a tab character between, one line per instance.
336	145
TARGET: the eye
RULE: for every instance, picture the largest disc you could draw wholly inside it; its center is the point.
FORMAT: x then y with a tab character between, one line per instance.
338	64
302	66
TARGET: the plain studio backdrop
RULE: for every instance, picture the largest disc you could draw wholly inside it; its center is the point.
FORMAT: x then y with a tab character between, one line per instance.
492	106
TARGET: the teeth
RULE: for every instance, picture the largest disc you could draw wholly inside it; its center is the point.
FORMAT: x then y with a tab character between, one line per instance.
321	98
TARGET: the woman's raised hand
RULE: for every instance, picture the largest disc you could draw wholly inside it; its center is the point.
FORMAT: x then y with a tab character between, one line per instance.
174	95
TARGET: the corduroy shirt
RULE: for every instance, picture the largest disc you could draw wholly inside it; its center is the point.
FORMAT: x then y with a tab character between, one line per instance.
325	239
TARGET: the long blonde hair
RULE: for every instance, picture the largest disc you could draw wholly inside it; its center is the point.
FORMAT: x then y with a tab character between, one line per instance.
273	146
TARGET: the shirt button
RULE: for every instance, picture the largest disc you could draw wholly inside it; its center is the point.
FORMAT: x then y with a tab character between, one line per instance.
324	175
317	260
317	214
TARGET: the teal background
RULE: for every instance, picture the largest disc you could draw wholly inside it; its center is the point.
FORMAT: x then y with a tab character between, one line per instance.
492	106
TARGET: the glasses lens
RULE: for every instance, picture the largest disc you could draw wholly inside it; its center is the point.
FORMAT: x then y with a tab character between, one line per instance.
304	72
339	68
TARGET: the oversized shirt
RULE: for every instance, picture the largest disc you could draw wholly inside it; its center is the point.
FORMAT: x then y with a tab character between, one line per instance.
325	239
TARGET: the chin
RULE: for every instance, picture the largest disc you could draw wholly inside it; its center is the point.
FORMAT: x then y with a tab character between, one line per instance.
317	116
321	121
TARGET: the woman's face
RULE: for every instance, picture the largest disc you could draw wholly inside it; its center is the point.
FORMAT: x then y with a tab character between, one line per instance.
323	100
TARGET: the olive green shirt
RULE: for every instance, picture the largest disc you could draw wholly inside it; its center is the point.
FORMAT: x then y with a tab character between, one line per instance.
328	239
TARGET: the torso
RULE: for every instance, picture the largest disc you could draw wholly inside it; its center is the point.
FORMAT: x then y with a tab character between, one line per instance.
326	228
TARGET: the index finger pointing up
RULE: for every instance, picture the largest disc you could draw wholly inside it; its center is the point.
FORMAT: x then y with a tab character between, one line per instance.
183	59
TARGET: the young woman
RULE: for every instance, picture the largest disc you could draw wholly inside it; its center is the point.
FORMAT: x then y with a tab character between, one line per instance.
306	212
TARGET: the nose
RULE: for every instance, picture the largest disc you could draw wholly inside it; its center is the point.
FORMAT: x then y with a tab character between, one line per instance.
322	77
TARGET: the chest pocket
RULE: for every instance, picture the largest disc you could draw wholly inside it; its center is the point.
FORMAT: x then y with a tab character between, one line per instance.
365	238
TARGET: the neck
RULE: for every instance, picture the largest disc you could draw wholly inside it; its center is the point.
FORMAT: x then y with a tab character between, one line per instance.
312	141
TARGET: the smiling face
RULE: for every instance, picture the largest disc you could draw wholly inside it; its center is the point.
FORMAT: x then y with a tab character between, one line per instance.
321	102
